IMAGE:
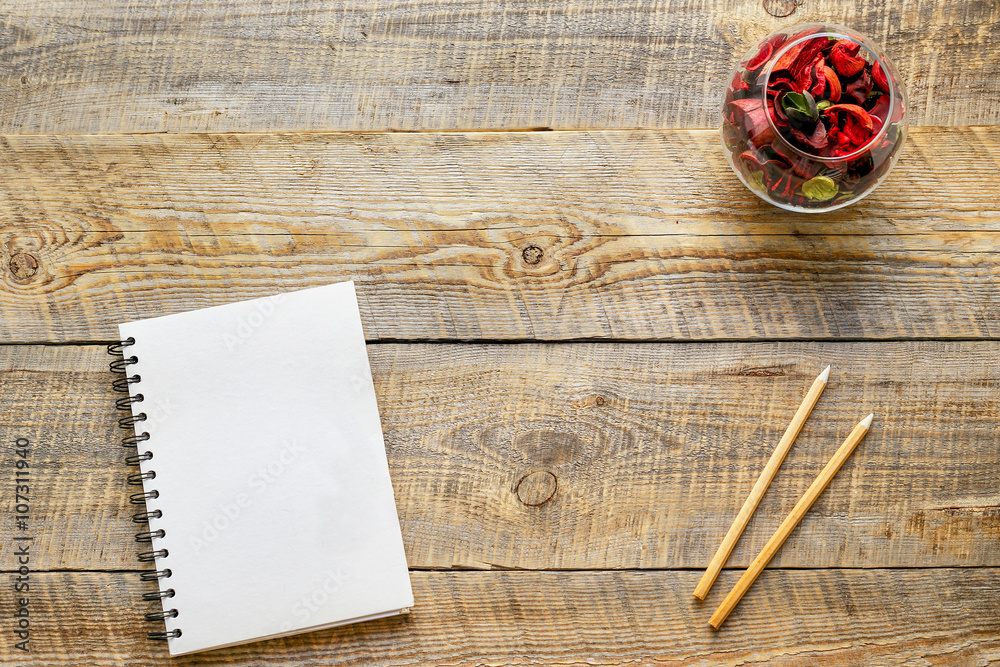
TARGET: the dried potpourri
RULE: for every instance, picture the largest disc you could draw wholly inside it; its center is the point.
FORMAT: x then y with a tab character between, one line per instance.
803	119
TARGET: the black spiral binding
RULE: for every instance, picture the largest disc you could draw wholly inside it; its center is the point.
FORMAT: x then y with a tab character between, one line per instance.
132	440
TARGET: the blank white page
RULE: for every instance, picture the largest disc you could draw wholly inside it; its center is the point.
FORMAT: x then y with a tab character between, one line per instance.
270	468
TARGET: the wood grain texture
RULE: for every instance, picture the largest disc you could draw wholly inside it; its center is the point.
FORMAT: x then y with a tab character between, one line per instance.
535	235
793	617
95	66
589	456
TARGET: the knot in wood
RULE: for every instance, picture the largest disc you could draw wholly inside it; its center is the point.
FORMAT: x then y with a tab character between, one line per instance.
781	8
536	488
531	255
600	400
23	265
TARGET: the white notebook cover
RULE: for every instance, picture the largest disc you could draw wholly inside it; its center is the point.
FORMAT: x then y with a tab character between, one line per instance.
270	467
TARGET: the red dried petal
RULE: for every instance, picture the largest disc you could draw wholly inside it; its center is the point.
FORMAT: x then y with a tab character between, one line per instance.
801	69
848	46
858	134
771	170
792	162
834	83
738	82
777	40
851	131
789	57
806	167
844	58
786	186
760	135
776	114
835	137
859	89
762	57
810	53
817	139
752	156
854	110
782	151
777	108
779	83
747	105
803	77
751	115
783	188
876	125
880	111
732	137
897	111
819	78
878	76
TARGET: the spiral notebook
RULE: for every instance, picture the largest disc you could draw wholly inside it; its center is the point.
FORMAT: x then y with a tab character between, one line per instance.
265	485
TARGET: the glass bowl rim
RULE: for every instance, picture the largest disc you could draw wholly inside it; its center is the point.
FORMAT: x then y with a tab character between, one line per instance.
828	30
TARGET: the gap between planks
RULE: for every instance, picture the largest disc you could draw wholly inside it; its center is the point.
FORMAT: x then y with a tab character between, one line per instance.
589	340
628	570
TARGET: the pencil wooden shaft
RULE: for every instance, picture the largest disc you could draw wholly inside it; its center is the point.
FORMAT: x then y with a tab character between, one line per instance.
787	526
757	492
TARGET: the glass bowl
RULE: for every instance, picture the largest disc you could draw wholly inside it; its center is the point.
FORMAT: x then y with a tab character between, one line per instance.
814	117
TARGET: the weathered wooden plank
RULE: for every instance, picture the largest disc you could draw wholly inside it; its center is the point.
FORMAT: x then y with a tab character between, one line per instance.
540	235
94	66
791	617
587	456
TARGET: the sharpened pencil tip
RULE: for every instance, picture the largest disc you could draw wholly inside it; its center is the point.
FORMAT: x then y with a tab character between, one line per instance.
867	421
825	375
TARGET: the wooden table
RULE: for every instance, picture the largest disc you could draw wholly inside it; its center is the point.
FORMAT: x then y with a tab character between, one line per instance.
585	341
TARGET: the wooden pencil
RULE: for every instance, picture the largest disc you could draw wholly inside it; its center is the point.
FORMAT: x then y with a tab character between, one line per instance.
757	492
790	522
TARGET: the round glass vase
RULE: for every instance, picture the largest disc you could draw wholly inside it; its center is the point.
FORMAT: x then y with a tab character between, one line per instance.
814	118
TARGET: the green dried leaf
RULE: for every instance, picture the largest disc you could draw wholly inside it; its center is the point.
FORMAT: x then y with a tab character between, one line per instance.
820	188
823	105
755	180
800	107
